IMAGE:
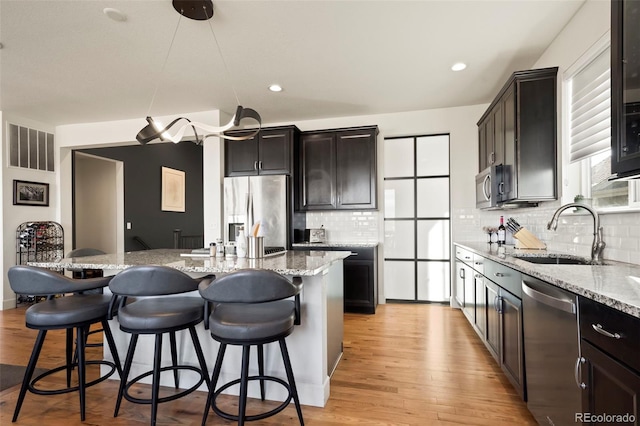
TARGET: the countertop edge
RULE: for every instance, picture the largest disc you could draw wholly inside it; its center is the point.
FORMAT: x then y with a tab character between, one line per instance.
569	277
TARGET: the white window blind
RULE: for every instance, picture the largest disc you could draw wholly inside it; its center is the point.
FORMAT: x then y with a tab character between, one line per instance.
591	108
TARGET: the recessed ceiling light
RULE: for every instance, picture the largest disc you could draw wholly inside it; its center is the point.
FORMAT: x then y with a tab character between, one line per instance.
275	88
114	14
458	66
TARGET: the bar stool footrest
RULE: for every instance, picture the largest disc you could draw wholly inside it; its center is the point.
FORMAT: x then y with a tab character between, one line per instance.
33	389
254	417
133	381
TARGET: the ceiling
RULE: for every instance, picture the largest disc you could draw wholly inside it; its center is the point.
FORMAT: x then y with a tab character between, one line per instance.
65	61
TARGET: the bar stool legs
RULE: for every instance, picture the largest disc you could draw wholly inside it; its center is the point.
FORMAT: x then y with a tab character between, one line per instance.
290	385
75	358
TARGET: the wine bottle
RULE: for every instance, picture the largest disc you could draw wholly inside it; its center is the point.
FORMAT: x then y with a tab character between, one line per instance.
502	232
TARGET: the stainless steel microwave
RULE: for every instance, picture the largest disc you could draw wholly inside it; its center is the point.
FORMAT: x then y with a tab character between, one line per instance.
487	183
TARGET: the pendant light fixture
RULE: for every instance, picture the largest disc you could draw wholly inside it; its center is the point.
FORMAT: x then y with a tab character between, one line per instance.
200	10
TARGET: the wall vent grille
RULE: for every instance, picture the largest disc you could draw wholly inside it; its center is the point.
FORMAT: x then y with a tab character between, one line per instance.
30	148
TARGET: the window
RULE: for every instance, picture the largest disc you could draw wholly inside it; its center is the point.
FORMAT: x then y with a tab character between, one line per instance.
589	135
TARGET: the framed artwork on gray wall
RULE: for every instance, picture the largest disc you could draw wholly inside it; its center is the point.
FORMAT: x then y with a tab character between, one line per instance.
27	193
173	189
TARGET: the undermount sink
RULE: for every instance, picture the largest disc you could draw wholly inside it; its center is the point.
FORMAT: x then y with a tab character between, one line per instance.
554	260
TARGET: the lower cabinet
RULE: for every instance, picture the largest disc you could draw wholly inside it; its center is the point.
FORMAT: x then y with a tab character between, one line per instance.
360	283
612	389
360	277
610	343
511	340
492	336
495	312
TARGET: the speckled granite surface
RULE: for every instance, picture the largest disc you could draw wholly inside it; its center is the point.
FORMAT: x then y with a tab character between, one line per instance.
614	284
300	263
330	244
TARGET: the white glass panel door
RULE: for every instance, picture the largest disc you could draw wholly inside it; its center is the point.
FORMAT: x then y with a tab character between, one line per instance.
398	157
399	200
417	218
433	281
432	156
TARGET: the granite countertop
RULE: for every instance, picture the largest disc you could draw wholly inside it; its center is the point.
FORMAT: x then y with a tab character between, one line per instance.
333	244
614	284
299	263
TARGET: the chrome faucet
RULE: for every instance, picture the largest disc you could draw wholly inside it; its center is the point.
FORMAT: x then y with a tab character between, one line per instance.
598	245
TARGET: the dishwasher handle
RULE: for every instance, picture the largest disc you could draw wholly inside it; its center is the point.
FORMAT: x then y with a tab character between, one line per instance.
563	305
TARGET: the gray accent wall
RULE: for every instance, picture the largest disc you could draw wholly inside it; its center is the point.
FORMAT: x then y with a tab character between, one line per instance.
143	186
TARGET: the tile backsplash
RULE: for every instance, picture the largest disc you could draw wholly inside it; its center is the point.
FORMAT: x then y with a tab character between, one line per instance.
346	227
621	231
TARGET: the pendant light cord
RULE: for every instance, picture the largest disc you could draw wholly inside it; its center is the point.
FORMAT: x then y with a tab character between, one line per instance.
226	68
166	59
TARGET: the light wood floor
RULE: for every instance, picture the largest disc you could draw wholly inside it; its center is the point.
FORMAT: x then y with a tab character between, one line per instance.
406	365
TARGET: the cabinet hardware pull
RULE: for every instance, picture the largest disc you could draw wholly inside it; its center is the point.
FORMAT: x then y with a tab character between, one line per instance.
461	273
467	257
501	188
499	274
601	330
478	263
260	164
478	276
497	304
255	165
577	372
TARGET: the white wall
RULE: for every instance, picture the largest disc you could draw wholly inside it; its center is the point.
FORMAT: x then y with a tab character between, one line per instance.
12	216
96	192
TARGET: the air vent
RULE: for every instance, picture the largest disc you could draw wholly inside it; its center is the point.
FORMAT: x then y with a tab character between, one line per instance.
30	148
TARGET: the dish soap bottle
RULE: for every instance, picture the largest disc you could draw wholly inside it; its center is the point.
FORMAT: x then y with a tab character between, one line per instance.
502	232
241	243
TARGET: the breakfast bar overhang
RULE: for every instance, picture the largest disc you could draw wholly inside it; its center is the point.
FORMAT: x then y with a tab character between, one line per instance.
315	346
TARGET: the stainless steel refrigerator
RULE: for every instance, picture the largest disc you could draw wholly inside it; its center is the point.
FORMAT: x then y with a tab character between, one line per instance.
249	199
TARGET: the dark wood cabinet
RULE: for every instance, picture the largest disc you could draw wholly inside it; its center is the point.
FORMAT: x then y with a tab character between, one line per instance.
610	342
360	282
612	388
517	133
625	105
492	336
511	343
360	277
495	312
270	152
317	188
491	137
338	169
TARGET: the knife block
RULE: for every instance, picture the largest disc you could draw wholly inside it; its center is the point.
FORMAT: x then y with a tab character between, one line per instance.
526	240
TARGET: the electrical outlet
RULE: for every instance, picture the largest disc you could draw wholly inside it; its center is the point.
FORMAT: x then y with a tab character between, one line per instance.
128	225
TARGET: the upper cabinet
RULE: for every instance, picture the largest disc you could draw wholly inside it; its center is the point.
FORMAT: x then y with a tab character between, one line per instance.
270	152
338	169
517	134
625	88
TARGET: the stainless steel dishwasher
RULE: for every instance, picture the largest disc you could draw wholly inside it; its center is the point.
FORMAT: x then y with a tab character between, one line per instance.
552	353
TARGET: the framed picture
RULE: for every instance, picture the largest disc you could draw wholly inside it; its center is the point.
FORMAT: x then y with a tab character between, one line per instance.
173	183
30	193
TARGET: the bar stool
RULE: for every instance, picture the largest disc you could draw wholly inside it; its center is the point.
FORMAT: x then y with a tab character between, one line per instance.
156	316
82	273
249	310
77	311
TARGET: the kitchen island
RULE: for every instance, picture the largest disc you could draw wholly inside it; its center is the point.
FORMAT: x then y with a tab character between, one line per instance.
315	346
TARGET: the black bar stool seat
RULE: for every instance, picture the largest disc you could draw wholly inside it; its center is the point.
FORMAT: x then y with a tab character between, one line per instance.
77	311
